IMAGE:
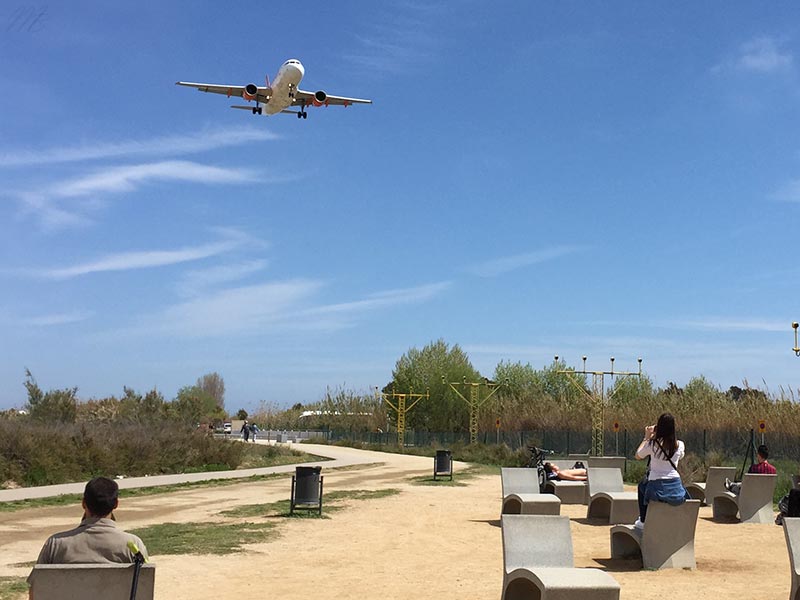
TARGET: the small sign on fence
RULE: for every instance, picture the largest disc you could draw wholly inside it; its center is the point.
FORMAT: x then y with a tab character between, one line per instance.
616	426
497	423
762	426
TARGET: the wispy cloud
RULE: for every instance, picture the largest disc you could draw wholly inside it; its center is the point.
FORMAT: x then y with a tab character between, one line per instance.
404	37
56	319
788	192
159	146
146	259
284	306
719	324
70	202
499	266
763	54
385	298
127	178
195	281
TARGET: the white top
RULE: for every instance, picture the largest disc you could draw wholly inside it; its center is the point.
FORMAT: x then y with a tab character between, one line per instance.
659	465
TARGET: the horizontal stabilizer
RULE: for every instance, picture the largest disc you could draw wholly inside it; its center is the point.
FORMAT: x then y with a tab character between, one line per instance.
291	112
242	107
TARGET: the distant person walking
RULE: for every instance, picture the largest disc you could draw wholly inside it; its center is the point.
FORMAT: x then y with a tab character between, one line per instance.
245	431
253	431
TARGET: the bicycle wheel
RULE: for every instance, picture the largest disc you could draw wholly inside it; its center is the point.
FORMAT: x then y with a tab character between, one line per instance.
542	478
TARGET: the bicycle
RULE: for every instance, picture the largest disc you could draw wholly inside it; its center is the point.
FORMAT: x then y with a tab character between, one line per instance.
537	462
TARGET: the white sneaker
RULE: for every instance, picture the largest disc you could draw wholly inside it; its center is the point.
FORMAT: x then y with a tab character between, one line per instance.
727	484
638	524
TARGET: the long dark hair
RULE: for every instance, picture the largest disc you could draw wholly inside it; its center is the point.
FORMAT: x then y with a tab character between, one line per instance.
664	435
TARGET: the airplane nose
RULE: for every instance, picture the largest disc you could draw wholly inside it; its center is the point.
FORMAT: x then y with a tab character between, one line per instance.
300	69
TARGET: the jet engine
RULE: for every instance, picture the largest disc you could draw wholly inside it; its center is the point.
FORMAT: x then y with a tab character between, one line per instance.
250	92
319	98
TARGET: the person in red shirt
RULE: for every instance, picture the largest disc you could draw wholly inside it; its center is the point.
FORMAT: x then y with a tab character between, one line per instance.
762	467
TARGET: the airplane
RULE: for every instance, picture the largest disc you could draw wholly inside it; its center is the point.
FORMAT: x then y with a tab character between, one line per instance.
280	95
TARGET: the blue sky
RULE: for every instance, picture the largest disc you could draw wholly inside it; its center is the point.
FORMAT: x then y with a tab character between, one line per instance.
533	179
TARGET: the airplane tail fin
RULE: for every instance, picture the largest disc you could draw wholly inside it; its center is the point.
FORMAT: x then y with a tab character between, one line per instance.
266	77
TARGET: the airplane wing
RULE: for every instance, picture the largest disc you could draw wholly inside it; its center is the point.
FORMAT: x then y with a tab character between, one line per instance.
307	98
263	93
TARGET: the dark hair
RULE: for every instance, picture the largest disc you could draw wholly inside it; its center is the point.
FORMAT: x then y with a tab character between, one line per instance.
548	468
100	496
664	435
763	451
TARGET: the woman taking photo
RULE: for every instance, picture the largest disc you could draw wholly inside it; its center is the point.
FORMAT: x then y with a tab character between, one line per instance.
663	482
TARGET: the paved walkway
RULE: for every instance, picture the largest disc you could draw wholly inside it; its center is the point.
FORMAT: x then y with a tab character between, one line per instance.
340	457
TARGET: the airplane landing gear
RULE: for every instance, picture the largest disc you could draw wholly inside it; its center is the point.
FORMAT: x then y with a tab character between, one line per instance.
302	115
257	110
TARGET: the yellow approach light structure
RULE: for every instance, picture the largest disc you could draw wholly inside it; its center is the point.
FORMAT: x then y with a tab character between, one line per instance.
597	397
475	401
401	407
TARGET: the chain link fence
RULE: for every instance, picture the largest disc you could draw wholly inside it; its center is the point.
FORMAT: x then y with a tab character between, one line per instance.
708	444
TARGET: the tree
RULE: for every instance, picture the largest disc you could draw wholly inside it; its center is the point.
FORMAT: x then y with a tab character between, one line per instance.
214	385
193	405
242	414
59	406
422	370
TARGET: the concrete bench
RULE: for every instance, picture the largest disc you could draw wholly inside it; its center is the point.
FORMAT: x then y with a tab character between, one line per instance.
753	504
92	581
791	530
569	492
665	542
608	499
521	494
608	462
714	484
538	562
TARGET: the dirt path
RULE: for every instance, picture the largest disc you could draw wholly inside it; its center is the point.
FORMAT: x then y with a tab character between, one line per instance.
428	542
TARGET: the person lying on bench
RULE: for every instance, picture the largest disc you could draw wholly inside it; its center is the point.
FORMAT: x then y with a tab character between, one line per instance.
554	473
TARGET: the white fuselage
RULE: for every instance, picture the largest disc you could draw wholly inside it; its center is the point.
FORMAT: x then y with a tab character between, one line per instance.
284	86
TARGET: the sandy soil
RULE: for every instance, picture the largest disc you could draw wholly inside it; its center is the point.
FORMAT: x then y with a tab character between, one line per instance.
426	542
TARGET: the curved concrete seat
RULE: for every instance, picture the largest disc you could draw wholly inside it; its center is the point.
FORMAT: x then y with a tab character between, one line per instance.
791	531
538	562
608	499
752	505
665	542
521	494
614	507
569	492
714	484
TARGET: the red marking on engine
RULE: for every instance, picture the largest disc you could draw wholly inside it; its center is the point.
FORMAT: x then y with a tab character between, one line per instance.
230	91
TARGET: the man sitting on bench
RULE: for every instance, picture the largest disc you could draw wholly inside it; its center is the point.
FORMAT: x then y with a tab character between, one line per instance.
553	472
762	467
97	539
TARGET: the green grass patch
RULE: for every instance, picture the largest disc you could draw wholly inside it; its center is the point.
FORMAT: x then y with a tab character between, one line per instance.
203	538
459	477
13	588
330	503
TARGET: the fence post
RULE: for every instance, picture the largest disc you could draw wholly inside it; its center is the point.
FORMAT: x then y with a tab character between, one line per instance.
569	445
705	448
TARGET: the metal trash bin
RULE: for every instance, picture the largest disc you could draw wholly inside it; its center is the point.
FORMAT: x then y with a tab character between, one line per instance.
443	464
306	489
